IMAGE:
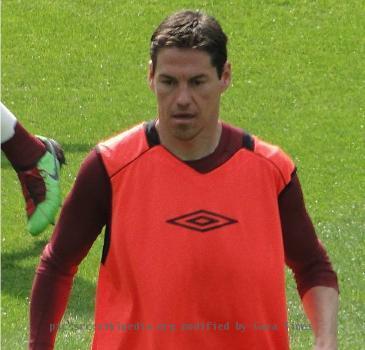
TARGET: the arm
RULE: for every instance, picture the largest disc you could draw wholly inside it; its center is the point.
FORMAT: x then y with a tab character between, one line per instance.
85	212
321	306
313	272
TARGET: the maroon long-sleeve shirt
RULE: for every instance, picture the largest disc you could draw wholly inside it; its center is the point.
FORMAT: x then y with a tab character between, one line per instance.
23	150
87	210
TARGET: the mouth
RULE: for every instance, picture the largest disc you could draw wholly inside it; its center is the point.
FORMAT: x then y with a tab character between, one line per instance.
183	116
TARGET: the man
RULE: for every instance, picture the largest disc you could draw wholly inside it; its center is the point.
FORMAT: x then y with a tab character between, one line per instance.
200	218
37	161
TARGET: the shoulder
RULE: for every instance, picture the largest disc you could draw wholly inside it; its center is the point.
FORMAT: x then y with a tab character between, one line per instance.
123	136
272	157
123	148
275	156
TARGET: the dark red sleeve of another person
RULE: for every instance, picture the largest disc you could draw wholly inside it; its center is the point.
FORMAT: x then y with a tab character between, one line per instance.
23	150
84	213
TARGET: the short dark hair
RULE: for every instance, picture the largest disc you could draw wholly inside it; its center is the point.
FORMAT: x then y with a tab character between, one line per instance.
191	29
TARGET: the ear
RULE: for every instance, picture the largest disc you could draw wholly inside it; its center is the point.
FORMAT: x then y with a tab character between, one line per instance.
226	76
151	82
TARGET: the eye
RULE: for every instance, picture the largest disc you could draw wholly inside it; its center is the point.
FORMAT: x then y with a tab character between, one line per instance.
198	82
167	82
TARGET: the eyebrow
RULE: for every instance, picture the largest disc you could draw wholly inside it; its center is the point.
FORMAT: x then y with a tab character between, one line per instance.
199	76
166	76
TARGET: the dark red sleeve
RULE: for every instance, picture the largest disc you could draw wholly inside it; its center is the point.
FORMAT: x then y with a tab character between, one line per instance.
304	253
23	150
85	211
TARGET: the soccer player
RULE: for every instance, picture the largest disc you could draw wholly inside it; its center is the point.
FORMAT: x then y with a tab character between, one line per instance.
200	218
37	161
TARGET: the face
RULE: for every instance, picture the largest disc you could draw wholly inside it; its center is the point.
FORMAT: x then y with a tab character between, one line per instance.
188	90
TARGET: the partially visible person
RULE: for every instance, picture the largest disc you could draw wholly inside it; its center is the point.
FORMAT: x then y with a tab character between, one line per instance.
200	218
37	161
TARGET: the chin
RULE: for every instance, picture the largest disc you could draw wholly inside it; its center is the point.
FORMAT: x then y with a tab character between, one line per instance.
185	132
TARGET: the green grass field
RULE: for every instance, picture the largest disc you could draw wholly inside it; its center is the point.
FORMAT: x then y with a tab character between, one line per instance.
76	71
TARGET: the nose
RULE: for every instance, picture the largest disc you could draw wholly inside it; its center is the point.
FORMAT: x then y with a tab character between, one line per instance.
183	98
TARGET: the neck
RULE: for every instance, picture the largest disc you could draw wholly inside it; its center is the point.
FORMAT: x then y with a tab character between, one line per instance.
199	147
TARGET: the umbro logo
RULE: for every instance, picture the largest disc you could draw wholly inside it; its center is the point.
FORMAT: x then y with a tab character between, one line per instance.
202	221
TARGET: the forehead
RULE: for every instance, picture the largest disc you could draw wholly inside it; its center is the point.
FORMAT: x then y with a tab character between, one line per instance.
187	62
